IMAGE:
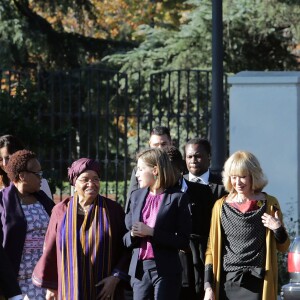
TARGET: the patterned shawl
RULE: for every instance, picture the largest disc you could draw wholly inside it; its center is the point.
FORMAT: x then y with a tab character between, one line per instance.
86	251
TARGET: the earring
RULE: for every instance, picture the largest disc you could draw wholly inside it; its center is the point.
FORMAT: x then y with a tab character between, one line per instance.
155	177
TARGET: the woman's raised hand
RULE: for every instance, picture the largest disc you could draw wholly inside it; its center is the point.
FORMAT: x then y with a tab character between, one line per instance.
272	223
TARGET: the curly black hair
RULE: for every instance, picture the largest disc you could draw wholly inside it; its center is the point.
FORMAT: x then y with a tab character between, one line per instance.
18	163
202	142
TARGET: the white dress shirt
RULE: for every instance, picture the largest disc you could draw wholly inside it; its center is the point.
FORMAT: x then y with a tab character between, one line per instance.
204	177
45	188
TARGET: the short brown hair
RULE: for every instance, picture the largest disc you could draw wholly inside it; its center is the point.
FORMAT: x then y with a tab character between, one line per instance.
159	158
18	163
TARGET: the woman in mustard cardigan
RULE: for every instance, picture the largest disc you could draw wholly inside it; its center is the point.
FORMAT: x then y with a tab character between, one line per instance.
246	232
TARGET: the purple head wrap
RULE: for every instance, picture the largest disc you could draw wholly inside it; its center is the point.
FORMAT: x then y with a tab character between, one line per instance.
81	165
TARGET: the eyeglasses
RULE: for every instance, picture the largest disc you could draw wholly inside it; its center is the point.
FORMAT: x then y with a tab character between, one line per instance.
86	180
39	174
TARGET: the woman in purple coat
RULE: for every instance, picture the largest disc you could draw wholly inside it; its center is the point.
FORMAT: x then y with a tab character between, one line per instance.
24	214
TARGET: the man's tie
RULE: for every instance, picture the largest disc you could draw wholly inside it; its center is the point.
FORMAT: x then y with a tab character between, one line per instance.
197	180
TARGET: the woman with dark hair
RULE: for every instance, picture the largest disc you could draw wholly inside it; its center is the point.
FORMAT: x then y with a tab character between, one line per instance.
159	225
9	144
4	181
84	257
24	213
245	234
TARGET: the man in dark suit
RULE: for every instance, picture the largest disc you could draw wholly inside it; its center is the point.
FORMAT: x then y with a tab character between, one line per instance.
159	138
197	157
200	203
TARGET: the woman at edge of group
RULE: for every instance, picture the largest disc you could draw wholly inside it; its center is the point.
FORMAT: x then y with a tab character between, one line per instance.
24	211
159	225
9	144
90	222
246	232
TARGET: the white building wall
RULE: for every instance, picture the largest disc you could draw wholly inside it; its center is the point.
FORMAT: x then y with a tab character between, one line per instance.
265	120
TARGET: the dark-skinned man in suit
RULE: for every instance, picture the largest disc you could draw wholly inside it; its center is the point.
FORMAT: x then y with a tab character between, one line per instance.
197	158
200	204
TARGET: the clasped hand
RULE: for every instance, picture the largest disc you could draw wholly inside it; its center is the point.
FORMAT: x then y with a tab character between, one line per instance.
141	230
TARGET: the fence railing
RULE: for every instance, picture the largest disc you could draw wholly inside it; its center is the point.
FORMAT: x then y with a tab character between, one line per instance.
107	115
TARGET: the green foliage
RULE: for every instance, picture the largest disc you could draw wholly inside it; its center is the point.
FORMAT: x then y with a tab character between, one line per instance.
11	35
257	35
21	107
67	34
114	190
19	114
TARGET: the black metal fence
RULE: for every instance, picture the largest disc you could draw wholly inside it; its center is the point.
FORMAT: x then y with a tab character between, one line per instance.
107	115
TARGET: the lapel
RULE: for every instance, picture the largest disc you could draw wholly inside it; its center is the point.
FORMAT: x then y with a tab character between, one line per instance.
213	187
12	203
167	199
15	219
140	201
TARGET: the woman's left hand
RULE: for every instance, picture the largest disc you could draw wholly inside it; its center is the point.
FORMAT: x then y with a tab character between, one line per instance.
141	230
272	223
109	285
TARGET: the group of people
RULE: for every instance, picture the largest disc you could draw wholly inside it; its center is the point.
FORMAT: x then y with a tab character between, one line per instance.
186	233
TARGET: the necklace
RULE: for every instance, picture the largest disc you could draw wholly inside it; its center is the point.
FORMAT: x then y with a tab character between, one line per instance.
239	199
82	210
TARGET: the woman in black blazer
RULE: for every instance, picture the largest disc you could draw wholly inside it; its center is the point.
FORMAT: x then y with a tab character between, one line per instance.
159	225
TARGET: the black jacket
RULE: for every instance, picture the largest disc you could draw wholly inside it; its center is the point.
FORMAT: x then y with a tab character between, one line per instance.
171	231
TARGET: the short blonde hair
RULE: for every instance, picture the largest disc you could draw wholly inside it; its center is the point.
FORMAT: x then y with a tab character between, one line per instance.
243	163
157	157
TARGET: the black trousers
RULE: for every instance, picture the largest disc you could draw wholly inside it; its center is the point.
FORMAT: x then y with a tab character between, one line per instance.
149	285
248	287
